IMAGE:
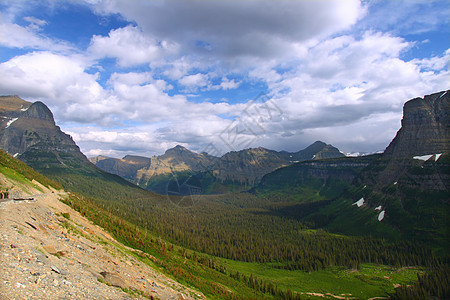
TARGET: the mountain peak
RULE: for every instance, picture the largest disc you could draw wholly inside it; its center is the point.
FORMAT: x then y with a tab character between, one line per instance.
424	127
39	110
177	150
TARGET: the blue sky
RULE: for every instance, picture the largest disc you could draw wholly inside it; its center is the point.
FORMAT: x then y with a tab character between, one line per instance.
138	77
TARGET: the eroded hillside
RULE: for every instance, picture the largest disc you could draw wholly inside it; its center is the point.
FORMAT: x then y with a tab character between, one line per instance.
49	251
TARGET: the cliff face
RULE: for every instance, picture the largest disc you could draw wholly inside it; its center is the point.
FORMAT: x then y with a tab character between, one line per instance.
425	128
247	166
28	129
417	157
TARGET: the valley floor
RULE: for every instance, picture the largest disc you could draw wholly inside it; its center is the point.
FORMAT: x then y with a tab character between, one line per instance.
49	251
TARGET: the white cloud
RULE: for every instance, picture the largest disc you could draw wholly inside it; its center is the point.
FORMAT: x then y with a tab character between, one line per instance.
130	46
35	23
26	37
228	84
194	81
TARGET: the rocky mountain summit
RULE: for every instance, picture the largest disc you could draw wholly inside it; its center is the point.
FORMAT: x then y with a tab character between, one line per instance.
425	127
416	157
28	130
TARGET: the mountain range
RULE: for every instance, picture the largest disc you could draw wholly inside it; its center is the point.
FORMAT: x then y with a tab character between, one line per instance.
401	193
408	181
243	168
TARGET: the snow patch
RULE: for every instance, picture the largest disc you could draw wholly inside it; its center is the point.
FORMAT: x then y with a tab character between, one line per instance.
359	203
395	183
437	156
378	208
364	186
24	109
314	156
381	215
423	157
15	155
10	122
443	94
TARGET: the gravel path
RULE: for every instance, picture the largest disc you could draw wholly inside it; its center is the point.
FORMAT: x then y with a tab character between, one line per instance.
48	251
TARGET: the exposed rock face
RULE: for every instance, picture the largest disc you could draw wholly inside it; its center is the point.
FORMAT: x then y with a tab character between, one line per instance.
247	166
328	152
425	130
317	150
28	129
425	127
177	159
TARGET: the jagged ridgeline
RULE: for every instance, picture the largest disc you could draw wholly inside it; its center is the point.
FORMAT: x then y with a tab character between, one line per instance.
234	171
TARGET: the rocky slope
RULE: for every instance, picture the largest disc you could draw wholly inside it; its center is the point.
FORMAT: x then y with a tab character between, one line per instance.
247	166
49	251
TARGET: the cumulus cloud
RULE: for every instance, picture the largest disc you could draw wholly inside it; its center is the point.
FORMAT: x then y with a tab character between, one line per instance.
228	84
130	47
192	82
48	75
27	37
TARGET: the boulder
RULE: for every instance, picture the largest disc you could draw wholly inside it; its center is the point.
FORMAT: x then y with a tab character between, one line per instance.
114	279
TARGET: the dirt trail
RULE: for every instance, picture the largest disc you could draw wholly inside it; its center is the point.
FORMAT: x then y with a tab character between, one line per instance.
49	251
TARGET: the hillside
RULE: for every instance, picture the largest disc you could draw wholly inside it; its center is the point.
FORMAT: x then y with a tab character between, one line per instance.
49	251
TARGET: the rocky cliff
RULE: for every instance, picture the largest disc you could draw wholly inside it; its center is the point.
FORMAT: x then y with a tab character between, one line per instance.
29	128
425	128
416	157
247	166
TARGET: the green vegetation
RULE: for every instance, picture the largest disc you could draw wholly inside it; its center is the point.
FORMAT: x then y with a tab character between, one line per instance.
242	245
369	280
19	170
434	285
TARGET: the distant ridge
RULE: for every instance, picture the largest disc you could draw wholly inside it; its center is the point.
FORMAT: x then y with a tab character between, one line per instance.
245	167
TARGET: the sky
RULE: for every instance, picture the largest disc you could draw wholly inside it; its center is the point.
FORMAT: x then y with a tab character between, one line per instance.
138	76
